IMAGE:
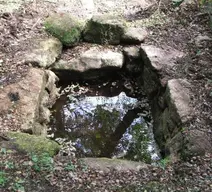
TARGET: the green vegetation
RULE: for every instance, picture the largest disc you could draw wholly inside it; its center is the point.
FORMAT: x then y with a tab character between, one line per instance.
64	27
18	185
3	179
42	162
34	144
70	166
177	3
164	162
16	174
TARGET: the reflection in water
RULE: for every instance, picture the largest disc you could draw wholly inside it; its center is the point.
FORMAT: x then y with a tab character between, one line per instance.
105	126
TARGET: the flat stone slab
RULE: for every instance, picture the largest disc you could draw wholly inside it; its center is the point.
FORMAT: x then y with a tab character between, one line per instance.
160	58
95	59
92	59
106	164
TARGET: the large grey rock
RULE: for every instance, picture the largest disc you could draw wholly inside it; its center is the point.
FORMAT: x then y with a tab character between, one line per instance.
160	58
169	122
104	29
43	52
27	94
29	101
188	143
95	60
133	35
157	60
178	100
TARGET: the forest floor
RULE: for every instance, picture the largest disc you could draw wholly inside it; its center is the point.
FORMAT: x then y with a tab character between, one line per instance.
185	28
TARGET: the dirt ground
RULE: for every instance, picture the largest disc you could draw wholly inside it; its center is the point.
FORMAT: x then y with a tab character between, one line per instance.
185	28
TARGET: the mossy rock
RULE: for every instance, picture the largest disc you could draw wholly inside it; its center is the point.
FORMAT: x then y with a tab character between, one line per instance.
33	144
104	29
64	27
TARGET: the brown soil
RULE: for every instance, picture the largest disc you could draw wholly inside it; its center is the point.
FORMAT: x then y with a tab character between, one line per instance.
181	32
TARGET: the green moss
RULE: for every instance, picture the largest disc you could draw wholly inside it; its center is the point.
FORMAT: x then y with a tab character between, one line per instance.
33	144
64	27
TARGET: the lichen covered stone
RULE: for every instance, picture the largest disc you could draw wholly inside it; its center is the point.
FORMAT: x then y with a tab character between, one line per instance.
64	27
104	29
33	144
43	52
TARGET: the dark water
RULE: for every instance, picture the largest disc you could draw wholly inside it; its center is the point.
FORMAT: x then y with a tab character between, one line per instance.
114	126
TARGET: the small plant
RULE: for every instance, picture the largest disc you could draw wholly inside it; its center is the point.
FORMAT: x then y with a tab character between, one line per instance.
42	162
3	151
18	186
83	166
9	165
3	179
164	162
70	167
177	3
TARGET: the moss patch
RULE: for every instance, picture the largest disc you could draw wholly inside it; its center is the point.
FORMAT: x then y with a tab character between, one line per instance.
33	144
64	27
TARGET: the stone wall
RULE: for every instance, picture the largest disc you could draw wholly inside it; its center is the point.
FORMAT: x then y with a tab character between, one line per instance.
170	105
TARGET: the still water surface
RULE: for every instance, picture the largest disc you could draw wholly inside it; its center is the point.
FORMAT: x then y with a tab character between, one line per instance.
102	126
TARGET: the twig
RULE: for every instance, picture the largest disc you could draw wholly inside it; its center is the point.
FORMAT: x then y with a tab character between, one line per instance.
201	14
35	24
